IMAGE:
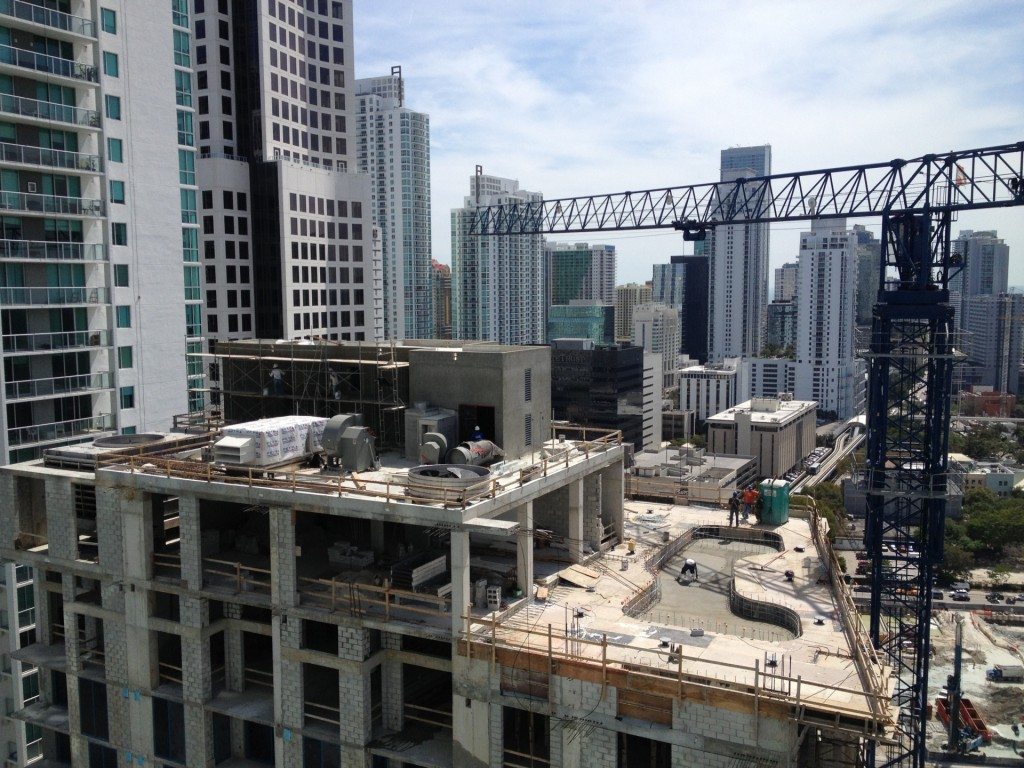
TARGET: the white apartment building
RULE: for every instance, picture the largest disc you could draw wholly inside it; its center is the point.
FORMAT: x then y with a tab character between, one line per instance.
986	259
656	329
786	281
739	268
826	370
995	339
290	248
627	298
709	389
497	282
394	151
766	377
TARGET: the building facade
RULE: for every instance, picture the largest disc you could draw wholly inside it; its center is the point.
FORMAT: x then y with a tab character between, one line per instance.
786	281
869	254
782	323
394	151
994	326
497	282
627	298
290	249
441	288
986	259
738	295
709	389
683	284
582	320
779	432
766	377
579	272
656	329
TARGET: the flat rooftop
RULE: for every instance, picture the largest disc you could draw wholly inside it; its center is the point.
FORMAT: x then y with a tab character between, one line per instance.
766	411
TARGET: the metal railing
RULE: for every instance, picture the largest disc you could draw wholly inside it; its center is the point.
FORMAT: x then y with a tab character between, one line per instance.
48	18
48	110
56	158
48	342
32	202
60	385
49	296
40	62
60	430
51	251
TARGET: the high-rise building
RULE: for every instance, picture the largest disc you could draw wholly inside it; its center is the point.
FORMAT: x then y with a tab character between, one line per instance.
627	298
785	281
709	389
394	151
579	271
782	318
441	288
683	284
738	293
581	320
869	254
497	282
656	329
986	260
826	370
995	337
290	249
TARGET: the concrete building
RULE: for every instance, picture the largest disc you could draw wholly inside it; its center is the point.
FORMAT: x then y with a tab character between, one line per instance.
986	259
869	254
579	272
394	151
978	400
709	389
826	370
670	473
1000	479
683	284
994	326
653	402
290	246
656	329
782	323
627	298
441	288
582	320
497	282
766	377
780	432
738	268
786	281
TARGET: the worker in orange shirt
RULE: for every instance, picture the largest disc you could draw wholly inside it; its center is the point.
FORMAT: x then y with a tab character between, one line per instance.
749	498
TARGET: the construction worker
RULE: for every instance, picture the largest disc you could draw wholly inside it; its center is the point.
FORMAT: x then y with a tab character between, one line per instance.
749	498
734	509
690	566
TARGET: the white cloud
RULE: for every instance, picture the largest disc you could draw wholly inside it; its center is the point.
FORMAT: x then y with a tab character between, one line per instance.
576	98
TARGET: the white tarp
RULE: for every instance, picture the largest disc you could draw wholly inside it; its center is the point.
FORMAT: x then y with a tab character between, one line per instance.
280	439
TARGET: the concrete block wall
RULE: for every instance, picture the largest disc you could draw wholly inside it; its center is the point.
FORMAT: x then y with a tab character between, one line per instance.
284	581
715	735
576	737
592	525
551	511
391	680
288	692
60	519
110	534
191	541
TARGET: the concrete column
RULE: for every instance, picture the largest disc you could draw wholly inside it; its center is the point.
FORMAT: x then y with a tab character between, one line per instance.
377	536
198	736
283	579
524	550
574	534
288	693
593	528
461	596
143	669
191	542
612	499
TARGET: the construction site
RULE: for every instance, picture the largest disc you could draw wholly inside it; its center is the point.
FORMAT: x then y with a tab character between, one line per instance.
281	591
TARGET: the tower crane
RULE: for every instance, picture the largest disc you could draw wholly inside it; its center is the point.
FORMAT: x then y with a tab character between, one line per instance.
910	359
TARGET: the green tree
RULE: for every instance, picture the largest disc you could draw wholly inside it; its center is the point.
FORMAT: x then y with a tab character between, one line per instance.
956	562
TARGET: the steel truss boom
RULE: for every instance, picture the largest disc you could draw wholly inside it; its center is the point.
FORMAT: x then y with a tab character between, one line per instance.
989	177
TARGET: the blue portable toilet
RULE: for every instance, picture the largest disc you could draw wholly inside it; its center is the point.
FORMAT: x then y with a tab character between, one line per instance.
775	495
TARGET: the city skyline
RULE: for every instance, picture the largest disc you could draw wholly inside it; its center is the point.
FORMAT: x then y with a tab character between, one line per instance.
549	88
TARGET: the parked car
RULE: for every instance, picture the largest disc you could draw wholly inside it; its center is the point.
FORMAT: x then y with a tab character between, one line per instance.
961	596
995	597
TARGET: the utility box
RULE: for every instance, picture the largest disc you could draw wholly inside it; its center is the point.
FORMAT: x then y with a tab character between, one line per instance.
775	497
422	419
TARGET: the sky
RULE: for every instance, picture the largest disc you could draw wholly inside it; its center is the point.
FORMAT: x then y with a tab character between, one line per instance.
579	98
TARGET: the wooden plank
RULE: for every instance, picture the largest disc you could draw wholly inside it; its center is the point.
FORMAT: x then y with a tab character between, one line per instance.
578	575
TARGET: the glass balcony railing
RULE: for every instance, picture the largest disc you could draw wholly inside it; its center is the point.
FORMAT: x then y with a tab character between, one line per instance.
30	202
51	296
48	110
54	342
61	430
40	62
63	385
49	251
44	16
54	158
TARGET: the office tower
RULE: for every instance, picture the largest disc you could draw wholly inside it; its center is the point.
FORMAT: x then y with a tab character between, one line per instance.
739	268
826	370
497	282
709	389
579	271
627	298
986	260
683	284
869	255
656	329
581	320
289	245
441	288
766	377
394	150
785	281
995	335
782	318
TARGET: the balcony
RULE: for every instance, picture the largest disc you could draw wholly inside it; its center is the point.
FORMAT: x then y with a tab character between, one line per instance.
22	343
50	158
10	297
51	65
35	109
30	250
62	385
31	202
61	430
44	17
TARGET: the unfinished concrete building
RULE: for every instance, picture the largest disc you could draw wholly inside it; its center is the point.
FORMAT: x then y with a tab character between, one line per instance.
198	612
